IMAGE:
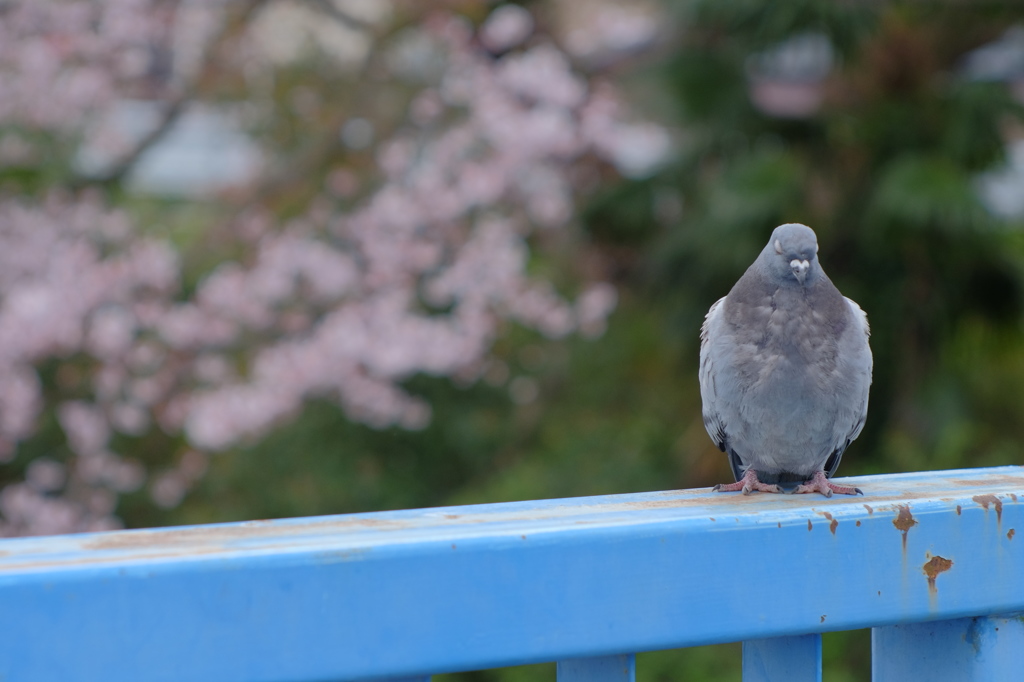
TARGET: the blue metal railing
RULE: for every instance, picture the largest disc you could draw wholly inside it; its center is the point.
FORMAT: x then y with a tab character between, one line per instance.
931	561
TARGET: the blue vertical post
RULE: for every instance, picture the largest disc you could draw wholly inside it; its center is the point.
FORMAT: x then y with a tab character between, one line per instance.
966	649
620	668
782	659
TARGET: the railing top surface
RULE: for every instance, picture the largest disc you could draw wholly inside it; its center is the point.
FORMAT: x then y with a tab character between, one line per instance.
694	509
460	588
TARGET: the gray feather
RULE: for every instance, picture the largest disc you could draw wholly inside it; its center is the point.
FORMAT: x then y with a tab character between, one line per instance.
785	365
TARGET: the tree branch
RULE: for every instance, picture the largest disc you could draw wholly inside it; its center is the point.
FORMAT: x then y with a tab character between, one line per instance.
175	106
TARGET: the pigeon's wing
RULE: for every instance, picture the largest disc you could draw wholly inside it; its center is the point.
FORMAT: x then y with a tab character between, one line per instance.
832	463
708	390
860	352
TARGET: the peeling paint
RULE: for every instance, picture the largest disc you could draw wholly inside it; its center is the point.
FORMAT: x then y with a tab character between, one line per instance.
220	535
986	500
344	555
348	532
1002	481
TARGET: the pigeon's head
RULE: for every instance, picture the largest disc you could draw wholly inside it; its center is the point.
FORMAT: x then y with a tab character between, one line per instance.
793	253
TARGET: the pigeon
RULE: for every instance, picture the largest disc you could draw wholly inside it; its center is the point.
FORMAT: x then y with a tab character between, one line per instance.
785	368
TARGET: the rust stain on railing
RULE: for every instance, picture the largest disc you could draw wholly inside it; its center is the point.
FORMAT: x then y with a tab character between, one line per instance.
986	500
933	567
904	521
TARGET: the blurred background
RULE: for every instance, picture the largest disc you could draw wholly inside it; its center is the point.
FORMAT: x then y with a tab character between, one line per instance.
273	258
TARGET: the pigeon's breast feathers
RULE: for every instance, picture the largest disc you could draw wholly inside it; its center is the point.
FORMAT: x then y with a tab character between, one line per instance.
785	315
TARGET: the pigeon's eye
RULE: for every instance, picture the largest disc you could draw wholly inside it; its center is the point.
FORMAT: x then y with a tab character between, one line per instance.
778	247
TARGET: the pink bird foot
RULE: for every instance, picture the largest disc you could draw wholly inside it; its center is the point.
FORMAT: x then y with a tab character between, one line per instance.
820	484
747	484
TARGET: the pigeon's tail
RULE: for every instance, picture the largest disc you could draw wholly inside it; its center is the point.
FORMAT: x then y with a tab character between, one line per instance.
786	480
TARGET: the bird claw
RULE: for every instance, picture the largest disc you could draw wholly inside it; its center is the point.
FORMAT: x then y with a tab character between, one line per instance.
763	487
820	484
804	488
747	485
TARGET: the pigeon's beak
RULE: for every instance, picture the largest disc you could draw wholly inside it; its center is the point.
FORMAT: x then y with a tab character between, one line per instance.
799	268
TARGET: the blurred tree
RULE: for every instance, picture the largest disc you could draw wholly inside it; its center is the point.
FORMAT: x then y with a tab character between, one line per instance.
879	125
351	196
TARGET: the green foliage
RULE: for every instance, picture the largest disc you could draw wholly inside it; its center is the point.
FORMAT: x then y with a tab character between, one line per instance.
928	193
972	137
759	188
757	24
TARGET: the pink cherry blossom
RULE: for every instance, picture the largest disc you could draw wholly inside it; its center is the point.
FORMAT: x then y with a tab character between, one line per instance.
415	265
